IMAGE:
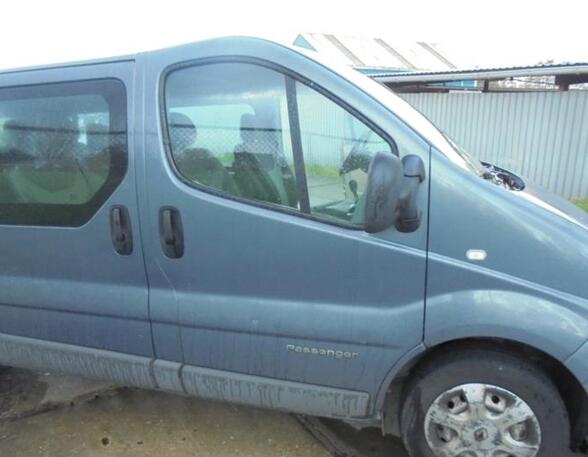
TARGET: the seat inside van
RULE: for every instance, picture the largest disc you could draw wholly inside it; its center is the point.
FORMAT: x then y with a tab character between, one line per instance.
196	164
261	172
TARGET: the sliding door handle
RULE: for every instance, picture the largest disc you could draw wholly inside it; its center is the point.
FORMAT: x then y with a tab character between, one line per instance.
171	232
120	230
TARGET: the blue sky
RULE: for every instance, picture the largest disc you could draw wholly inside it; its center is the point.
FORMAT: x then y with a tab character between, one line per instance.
473	32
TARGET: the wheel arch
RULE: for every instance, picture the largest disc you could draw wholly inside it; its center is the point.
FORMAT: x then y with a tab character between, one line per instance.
389	398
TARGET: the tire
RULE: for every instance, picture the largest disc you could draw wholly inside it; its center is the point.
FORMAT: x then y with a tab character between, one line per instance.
493	379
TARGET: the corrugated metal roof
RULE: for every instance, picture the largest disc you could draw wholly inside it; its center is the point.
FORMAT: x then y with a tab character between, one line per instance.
575	68
377	52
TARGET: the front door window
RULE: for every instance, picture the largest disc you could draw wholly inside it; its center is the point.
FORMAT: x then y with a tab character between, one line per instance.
257	134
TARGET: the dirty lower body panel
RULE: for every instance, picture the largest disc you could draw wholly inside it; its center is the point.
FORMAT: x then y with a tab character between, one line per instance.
175	377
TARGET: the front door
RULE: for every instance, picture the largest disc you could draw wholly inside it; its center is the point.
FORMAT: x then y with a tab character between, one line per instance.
73	293
259	266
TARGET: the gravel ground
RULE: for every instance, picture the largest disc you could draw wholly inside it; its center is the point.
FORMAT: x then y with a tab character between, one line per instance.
43	415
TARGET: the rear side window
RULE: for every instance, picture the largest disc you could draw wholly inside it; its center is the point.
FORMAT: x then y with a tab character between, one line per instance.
63	151
258	134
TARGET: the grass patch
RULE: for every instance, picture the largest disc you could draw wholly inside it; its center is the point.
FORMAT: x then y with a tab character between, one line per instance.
582	203
319	170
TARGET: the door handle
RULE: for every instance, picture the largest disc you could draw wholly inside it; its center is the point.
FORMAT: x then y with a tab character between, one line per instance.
120	230
171	232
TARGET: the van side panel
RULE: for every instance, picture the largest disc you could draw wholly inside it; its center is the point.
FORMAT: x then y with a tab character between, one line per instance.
528	289
66	284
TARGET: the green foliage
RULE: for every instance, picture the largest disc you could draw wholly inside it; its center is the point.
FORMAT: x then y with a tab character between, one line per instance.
226	158
319	170
582	203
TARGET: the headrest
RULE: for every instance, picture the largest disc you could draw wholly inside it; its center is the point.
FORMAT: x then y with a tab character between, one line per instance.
97	137
182	132
248	127
57	142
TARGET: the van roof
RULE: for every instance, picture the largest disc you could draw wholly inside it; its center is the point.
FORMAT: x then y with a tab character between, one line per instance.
133	57
105	60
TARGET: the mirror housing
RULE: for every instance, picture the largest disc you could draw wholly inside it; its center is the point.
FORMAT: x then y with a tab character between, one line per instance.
385	176
391	194
409	215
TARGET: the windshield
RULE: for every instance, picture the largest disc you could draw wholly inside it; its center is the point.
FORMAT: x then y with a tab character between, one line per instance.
473	164
404	111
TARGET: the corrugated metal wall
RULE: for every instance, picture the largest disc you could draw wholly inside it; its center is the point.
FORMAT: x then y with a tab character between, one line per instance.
543	135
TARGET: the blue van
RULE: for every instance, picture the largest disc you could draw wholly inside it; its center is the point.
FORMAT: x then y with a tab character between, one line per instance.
238	220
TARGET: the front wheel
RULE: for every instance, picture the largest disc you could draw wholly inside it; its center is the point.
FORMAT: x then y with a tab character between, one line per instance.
483	403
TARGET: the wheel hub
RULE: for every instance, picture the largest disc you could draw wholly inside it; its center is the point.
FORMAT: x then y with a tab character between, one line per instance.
481	434
480	420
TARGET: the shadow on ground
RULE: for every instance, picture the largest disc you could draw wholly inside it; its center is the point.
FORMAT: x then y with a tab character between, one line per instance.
20	391
342	440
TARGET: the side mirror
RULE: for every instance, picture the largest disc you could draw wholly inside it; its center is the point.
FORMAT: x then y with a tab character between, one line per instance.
391	194
383	192
409	215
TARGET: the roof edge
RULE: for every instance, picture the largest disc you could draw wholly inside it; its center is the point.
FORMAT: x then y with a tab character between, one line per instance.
483	73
